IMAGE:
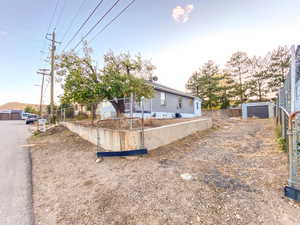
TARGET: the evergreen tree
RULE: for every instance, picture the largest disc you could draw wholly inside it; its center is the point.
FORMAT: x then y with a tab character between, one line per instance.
227	88
280	60
238	67
258	85
204	84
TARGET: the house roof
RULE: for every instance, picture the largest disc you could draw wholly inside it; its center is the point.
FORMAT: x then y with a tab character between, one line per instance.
169	90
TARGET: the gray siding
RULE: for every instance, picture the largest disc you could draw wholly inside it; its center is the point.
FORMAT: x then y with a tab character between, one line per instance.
172	103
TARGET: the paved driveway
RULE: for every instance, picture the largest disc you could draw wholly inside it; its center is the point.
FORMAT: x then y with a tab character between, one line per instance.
15	174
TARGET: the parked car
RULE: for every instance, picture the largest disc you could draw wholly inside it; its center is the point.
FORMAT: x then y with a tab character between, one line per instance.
32	118
25	115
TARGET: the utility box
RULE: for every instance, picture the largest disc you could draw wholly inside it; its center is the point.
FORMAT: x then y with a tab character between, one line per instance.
258	110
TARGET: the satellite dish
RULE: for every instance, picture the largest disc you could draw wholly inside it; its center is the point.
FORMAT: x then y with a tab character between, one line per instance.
155	78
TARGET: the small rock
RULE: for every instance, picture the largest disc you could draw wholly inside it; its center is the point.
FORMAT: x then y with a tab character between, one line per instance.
98	160
186	176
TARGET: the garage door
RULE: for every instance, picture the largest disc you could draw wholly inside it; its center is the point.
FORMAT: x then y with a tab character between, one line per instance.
4	116
15	116
261	111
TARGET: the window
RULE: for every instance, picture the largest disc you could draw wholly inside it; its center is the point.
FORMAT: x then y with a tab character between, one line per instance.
180	102
197	105
163	100
191	101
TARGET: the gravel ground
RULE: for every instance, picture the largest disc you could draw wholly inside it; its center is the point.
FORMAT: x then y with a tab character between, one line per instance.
237	175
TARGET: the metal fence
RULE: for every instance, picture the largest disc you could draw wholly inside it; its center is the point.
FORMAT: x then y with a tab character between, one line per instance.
103	115
288	123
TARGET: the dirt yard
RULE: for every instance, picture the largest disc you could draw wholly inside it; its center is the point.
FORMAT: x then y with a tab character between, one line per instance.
124	123
237	175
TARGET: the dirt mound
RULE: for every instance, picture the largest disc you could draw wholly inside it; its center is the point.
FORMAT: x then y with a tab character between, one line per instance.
54	130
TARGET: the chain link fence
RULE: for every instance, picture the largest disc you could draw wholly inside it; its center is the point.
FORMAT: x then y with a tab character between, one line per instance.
119	115
288	125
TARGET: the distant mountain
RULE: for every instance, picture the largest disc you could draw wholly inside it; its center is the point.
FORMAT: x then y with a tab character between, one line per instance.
17	106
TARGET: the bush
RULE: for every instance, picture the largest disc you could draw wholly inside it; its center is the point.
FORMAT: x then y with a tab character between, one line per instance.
283	144
281	140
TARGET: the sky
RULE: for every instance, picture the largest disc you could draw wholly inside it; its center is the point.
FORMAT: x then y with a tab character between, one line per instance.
177	35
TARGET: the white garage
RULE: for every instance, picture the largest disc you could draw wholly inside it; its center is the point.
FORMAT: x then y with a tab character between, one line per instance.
258	110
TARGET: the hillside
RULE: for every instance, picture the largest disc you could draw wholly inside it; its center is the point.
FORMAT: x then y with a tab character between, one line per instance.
17	105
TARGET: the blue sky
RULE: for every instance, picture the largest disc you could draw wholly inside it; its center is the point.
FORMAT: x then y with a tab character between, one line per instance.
178	35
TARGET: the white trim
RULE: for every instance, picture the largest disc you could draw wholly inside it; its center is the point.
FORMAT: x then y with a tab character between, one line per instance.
163	115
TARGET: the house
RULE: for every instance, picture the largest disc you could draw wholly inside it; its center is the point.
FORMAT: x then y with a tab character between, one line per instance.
166	103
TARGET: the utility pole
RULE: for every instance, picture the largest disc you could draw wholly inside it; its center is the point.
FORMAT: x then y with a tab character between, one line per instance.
43	72
53	48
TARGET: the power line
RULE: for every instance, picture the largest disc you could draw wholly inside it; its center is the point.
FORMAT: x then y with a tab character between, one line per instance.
82	25
49	26
108	11
111	21
73	19
53	15
60	14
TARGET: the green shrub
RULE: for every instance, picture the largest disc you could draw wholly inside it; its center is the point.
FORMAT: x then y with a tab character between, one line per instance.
281	140
283	144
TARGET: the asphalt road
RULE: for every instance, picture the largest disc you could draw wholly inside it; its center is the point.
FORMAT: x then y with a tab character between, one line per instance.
15	174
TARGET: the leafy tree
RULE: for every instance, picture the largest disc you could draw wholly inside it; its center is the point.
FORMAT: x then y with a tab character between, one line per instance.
204	84
238	67
258	86
81	79
85	84
280	60
30	109
120	79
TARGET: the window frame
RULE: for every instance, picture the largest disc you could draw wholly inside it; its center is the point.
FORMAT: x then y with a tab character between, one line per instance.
163	101
180	102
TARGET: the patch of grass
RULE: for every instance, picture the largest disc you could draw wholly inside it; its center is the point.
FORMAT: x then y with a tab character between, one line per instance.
36	133
283	144
281	140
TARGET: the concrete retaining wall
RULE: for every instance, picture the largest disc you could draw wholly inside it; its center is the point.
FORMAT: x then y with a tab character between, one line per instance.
159	136
115	140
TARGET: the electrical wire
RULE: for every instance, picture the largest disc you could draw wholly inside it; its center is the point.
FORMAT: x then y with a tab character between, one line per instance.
83	24
53	15
60	15
73	19
111	21
48	28
95	25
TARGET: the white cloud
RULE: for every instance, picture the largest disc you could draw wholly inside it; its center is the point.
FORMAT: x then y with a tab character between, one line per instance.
180	14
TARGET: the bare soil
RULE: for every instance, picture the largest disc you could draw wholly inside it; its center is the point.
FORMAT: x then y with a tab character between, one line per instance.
237	170
124	123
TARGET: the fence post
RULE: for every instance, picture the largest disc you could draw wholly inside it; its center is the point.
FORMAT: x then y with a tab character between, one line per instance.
293	156
131	110
283	130
142	133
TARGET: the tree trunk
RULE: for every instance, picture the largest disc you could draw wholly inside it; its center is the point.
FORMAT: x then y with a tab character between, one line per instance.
119	106
241	87
259	92
94	108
